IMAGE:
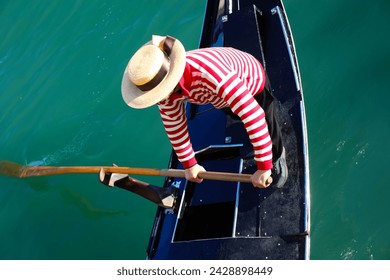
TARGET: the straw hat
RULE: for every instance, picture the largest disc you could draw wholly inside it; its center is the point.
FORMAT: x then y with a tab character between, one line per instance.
153	72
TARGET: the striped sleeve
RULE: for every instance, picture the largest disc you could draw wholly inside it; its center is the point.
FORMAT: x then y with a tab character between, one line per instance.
174	119
242	103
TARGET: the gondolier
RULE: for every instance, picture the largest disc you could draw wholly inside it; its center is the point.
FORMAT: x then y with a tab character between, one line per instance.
162	73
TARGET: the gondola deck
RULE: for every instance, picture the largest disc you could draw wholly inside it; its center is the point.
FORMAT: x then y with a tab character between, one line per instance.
227	220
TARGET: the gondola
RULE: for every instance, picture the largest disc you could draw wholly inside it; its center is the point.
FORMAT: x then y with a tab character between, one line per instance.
233	220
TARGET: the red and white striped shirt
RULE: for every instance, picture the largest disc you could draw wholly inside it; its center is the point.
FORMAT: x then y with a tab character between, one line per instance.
224	77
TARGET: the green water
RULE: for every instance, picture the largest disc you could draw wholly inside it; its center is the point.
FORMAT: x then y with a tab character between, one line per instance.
61	64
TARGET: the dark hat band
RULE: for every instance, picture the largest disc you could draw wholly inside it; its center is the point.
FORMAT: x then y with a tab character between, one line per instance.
162	72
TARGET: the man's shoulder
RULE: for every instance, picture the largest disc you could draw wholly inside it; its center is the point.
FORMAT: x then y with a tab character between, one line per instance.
212	50
220	53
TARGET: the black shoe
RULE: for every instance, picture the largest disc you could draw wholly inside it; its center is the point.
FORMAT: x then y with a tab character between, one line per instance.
280	171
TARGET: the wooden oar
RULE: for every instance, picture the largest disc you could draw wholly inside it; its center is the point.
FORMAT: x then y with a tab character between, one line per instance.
9	168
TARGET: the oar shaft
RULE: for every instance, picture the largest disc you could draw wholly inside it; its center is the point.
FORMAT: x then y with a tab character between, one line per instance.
32	171
219	176
224	176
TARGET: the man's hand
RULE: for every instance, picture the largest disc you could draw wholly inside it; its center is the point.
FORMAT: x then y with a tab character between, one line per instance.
261	178
192	173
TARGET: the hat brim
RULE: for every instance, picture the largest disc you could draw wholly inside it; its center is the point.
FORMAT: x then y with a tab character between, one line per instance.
136	98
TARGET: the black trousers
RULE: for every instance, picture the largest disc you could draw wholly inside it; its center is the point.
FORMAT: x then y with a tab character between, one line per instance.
267	101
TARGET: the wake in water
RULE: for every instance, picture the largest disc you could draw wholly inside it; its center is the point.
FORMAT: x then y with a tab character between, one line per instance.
74	148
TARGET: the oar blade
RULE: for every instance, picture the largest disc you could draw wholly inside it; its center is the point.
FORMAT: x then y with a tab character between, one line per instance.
11	169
